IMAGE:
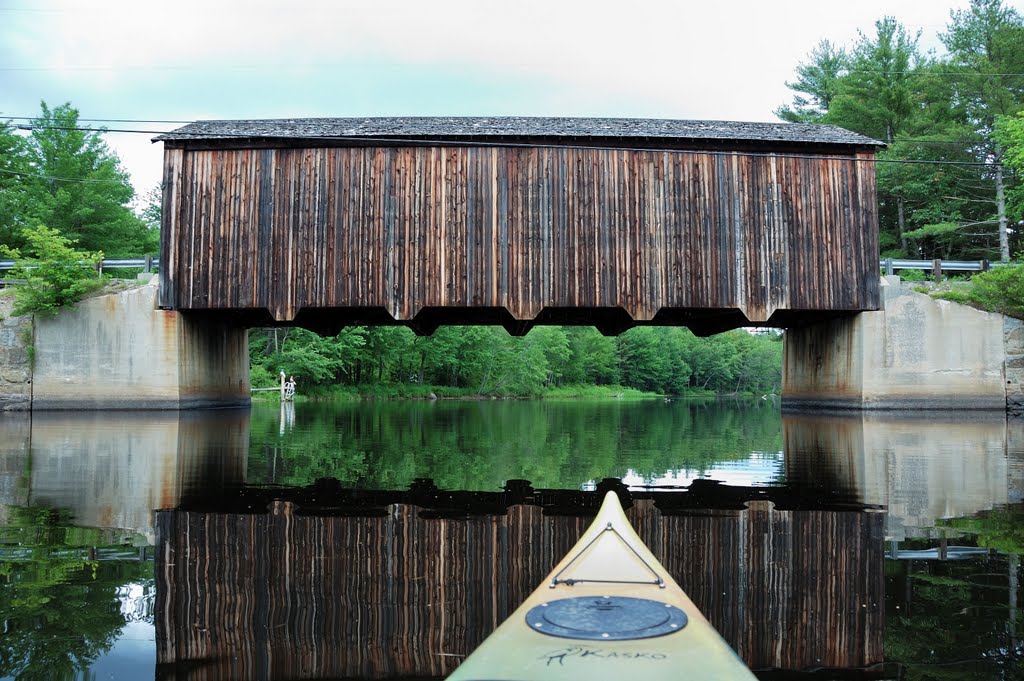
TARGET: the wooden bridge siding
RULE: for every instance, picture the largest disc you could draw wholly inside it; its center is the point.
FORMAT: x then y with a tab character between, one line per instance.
279	594
407	228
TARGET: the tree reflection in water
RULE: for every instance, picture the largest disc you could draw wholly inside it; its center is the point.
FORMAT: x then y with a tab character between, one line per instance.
62	603
949	619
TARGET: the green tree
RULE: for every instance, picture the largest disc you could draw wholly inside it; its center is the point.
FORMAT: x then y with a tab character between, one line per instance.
759	370
77	186
152	210
882	97
14	168
385	355
56	275
876	96
642	361
487	361
1010	134
554	344
941	187
313	359
987	67
927	203
504	365
715	362
817	84
592	358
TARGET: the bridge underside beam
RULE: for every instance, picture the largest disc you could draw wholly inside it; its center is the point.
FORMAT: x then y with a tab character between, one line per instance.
609	321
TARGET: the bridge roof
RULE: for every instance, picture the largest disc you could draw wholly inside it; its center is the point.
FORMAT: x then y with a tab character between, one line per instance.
564	130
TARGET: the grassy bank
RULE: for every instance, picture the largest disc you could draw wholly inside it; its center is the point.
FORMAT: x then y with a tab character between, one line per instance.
339	393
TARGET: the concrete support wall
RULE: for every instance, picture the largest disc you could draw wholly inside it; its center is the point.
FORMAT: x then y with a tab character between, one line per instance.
15	364
915	353
121	352
1013	337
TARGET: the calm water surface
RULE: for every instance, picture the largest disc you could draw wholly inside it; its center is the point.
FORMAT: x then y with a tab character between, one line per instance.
380	540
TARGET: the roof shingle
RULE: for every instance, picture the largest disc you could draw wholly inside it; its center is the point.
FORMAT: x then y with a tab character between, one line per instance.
484	128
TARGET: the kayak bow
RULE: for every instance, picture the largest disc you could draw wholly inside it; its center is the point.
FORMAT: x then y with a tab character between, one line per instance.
607	610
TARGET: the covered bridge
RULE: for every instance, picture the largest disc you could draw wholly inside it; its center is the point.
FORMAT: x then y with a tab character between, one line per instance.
516	221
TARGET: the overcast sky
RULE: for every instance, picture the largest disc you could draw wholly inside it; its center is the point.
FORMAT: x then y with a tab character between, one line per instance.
225	59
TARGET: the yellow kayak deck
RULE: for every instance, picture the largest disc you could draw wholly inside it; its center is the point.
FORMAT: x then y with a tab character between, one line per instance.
607	609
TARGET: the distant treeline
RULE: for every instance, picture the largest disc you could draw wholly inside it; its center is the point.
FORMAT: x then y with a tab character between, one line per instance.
487	361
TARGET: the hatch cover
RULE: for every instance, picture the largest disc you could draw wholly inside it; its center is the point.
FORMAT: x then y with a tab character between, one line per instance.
608	618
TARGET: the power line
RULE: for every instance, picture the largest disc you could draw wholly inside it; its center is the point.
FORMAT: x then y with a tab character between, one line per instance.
204	67
925	72
279	66
101	120
43	176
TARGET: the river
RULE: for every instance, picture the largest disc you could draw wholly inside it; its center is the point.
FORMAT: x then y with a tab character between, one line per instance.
375	540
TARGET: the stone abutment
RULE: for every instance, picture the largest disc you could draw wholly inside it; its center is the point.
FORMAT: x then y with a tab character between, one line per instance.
915	353
120	351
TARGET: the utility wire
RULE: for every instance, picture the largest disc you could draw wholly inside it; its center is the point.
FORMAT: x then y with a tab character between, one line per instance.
279	66
42	176
100	120
925	72
233	67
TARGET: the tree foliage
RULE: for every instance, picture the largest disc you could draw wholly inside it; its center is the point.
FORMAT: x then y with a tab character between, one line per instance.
55	602
487	361
817	85
14	169
1010	135
943	164
64	176
1001	289
55	274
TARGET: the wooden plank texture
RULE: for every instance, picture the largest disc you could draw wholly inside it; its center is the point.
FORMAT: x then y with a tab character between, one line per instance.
520	228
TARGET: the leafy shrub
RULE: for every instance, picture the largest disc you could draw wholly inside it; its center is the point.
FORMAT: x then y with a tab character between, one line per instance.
1001	289
55	275
913	275
955	295
259	377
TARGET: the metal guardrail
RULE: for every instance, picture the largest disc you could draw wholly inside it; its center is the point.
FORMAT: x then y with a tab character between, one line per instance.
147	264
937	267
888	265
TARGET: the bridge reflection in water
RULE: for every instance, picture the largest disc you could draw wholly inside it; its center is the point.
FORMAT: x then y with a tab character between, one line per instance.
344	586
920	468
334	581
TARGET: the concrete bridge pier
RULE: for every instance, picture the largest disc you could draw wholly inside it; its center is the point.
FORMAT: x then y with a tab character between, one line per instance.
914	353
121	352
